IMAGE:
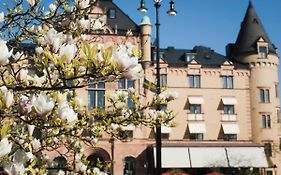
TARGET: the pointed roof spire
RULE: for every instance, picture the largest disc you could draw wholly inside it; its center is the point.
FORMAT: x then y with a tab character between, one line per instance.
250	32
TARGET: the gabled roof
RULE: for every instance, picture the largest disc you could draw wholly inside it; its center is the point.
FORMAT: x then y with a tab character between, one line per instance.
122	22
250	32
203	55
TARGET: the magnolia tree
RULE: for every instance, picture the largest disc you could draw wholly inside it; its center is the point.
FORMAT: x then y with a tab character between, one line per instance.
45	58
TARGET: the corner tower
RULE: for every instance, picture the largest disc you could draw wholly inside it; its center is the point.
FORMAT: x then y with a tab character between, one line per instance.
254	48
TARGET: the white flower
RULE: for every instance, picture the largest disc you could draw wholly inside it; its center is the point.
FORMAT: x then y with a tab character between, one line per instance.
25	105
38	80
84	3
5	147
52	7
68	51
18	56
42	104
84	23
54	38
30	129
39	50
81	167
30	156
31	2
114	126
135	72
36	144
15	169
22	75
9	98
67	113
168	96
96	24
5	54
2	17
60	172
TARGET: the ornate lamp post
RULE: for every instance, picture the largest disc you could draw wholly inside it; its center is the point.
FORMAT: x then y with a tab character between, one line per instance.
171	12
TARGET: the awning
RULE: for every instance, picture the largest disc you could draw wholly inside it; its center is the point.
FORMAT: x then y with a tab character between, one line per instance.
197	128
229	100
195	100
166	129
128	128
230	128
247	157
173	157
208	157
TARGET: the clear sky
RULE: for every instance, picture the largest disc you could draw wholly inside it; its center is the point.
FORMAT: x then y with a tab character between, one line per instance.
211	23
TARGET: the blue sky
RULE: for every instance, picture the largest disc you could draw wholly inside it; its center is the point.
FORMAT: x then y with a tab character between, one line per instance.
212	23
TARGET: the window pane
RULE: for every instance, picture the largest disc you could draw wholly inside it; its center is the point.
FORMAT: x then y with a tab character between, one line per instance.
163	80
91	99
100	85
191	81
268	121
263	121
267	95
122	84
262	95
100	98
224	82
131	83
197	109
230	82
112	13
192	109
197	81
130	103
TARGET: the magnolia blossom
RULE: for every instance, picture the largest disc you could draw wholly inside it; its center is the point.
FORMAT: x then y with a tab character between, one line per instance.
60	172
54	38
31	2
30	129
52	7
42	104
96	24
84	3
68	51
135	72
39	50
36	144
18	56
5	147
9	98
67	113
15	169
22	75
84	23
168	96
25	106
2	17
5	53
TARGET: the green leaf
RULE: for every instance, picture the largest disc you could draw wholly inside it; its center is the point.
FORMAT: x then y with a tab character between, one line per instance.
5	128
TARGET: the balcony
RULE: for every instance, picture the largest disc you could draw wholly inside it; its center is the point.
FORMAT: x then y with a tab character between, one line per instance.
229	117
195	117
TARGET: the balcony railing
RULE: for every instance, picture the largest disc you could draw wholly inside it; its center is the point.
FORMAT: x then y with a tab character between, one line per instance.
229	117
196	117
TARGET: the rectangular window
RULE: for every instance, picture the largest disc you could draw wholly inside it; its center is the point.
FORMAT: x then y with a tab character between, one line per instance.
165	136
196	136
227	82
264	96
262	52
266	121
278	116
229	137
194	81
96	95
195	108
269	172
189	57
127	134
124	84
276	90
163	80
228	109
112	13
268	149
280	143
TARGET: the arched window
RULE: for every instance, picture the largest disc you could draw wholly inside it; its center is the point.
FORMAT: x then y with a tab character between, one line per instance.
59	163
129	166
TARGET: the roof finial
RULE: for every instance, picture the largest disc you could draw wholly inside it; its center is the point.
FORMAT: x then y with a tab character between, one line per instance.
250	3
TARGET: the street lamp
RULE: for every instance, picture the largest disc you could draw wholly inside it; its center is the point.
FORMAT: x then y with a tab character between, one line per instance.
171	12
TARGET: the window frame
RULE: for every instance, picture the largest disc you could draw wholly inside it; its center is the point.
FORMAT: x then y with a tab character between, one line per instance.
266	121
193	108
126	84
194	80
196	136
264	95
96	89
227	81
229	137
268	149
228	109
163	80
112	13
263	52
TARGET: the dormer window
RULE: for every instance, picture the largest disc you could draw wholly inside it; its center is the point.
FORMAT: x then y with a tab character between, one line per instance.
112	13
262	51
161	55
189	56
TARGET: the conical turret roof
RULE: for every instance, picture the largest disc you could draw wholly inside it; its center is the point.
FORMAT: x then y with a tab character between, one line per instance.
250	32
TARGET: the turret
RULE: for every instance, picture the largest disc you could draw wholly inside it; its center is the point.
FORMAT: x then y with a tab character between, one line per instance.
145	30
254	48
